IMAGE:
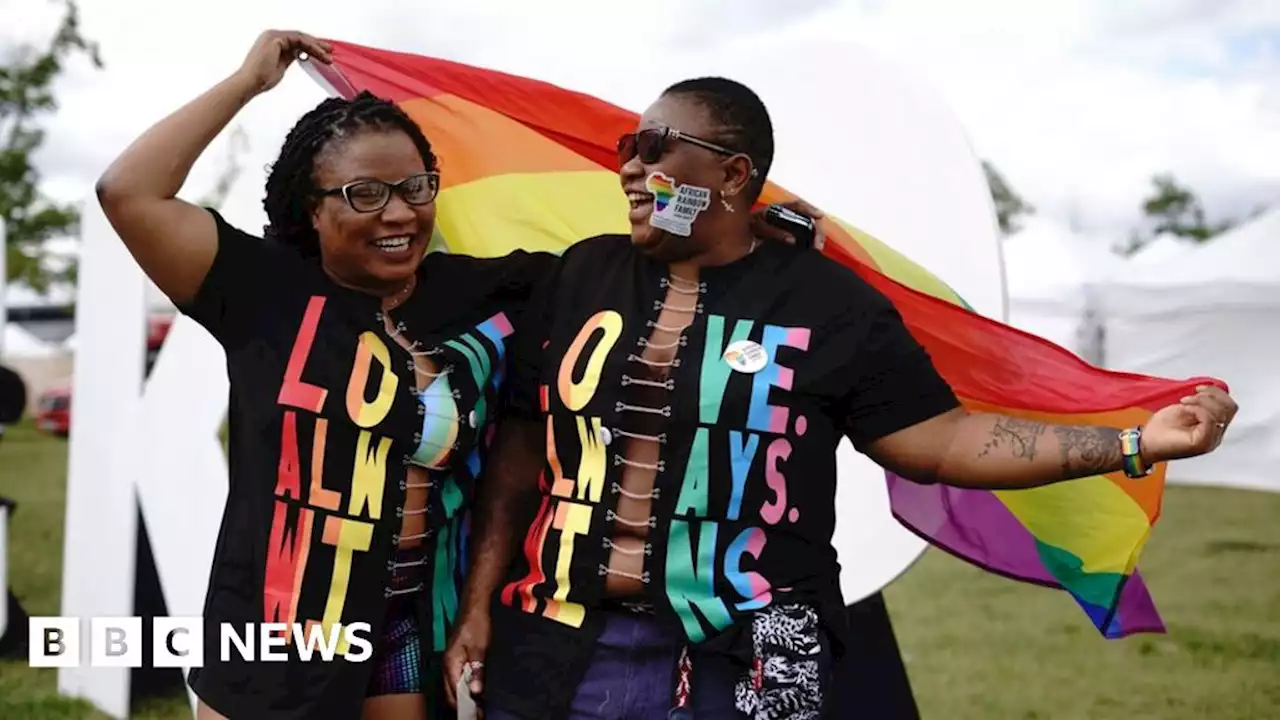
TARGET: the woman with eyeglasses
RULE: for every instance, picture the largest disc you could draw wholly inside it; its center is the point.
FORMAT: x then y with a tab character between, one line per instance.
677	399
365	383
364	376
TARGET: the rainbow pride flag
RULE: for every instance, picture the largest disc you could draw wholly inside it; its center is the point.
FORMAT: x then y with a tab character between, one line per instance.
528	164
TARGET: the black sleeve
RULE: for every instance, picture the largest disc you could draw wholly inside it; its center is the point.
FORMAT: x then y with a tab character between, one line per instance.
533	326
244	267
891	381
532	330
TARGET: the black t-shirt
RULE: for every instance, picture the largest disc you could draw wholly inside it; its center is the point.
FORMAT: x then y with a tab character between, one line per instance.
747	476
324	421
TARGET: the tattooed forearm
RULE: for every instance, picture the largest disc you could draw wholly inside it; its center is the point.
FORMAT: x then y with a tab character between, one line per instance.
1013	437
1086	450
1006	453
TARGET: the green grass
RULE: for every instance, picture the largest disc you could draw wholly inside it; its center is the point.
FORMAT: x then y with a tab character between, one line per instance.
977	647
33	472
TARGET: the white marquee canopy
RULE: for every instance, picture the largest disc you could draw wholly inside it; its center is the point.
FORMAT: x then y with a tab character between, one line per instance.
1212	310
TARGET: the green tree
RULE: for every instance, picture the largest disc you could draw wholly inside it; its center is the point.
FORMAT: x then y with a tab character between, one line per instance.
27	76
1010	207
1173	208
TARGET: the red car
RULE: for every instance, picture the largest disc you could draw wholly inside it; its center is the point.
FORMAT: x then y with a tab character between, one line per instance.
53	412
157	330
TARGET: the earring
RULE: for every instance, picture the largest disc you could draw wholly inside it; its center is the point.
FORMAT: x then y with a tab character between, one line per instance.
724	201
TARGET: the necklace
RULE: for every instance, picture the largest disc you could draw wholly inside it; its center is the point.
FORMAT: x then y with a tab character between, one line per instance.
402	294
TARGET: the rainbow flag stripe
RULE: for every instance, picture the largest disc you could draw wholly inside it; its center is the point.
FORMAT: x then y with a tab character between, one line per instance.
529	165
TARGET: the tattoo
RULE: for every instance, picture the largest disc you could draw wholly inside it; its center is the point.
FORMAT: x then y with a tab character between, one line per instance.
1019	436
1087	450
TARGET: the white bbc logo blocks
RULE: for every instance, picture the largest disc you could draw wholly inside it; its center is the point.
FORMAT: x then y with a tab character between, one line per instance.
177	642
115	642
66	642
55	642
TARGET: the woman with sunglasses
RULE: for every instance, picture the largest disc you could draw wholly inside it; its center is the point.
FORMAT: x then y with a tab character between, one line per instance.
365	378
682	401
364	374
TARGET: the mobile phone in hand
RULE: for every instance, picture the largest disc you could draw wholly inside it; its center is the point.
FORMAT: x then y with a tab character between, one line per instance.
802	228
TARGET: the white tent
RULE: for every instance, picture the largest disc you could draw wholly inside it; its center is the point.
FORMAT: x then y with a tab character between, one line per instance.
1049	271
1212	311
18	343
1165	247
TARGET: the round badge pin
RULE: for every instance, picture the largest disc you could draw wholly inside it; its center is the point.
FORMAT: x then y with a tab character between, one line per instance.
746	356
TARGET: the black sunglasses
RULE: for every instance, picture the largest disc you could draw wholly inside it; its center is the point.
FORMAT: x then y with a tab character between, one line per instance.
651	143
368	196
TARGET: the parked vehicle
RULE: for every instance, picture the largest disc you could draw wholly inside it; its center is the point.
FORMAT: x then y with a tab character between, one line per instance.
53	411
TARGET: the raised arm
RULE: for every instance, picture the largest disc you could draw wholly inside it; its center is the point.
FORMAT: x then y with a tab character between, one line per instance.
172	240
998	452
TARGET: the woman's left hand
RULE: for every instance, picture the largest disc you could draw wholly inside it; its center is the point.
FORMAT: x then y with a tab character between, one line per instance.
1191	427
766	231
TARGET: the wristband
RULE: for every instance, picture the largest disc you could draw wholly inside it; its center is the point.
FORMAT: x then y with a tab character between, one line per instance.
1130	453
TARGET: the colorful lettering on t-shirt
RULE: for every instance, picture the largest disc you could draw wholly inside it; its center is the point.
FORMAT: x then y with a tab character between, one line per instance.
709	577
573	499
693	558
348	529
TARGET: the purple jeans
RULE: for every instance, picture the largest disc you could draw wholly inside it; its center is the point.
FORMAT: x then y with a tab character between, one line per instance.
632	677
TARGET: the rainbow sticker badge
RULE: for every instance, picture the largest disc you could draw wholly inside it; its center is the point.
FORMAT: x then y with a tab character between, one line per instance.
675	207
745	356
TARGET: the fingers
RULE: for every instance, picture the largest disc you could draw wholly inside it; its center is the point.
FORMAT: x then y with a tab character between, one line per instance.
452	672
1202	414
297	43
777	235
803	208
459	663
1221	398
1219	405
292	44
1207	429
315	47
813	213
765	231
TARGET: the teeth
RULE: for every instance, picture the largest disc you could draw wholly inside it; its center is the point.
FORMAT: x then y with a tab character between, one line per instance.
638	198
393	244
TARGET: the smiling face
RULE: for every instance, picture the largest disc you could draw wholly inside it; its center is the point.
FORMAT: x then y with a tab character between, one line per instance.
380	250
685	163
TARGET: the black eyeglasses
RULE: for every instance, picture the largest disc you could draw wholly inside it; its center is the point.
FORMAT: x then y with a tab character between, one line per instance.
368	196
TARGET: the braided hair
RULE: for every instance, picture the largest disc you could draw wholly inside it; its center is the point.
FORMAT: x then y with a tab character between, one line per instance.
744	122
291	186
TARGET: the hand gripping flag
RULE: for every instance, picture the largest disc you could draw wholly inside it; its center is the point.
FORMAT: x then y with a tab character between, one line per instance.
529	165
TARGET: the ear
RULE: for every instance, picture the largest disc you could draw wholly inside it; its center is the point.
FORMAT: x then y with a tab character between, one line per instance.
739	171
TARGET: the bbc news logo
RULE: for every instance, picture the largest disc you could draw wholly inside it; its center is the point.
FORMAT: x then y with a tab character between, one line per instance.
179	642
